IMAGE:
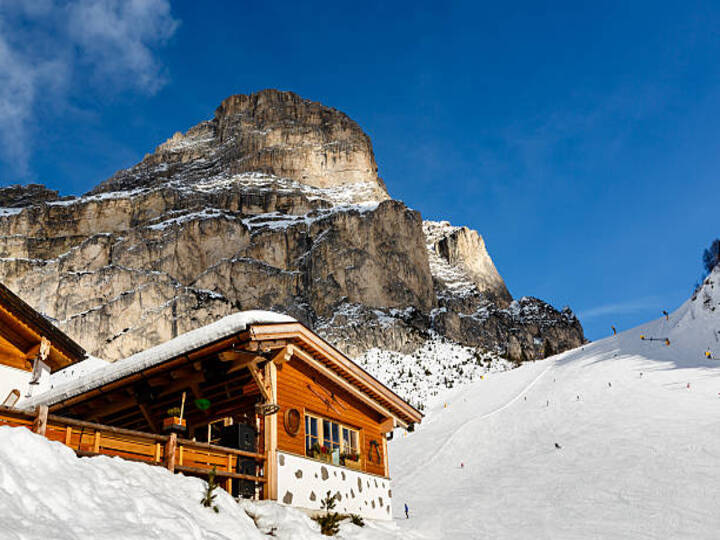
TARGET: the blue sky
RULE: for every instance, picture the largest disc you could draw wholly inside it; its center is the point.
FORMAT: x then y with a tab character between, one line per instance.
582	140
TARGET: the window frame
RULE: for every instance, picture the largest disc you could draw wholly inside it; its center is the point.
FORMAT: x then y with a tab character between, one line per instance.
321	434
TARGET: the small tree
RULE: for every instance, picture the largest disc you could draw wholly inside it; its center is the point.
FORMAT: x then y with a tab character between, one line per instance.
330	521
711	256
208	500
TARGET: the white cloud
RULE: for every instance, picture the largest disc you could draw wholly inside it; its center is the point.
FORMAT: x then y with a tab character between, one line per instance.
116	37
621	308
46	46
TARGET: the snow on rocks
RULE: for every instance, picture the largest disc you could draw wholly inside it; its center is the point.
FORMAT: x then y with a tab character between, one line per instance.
355	193
452	277
437	365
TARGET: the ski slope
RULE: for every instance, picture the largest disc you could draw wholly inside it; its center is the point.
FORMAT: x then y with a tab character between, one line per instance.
638	423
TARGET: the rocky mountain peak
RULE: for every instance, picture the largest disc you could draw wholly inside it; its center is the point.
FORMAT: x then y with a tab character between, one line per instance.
461	263
270	132
18	196
274	203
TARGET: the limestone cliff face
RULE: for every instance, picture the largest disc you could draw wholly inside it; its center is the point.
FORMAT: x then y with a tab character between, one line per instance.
271	132
461	264
275	204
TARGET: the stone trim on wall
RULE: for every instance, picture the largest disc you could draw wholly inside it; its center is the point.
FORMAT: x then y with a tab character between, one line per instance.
304	482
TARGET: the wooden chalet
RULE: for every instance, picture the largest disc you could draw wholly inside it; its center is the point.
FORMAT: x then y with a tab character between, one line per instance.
279	412
31	347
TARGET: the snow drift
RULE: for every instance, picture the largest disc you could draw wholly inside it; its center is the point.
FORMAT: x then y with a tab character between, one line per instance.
48	492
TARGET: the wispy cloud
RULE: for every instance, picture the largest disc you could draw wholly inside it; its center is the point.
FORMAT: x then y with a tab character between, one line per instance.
620	308
49	46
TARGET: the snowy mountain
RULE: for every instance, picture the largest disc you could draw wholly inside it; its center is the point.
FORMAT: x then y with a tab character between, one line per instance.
615	439
274	203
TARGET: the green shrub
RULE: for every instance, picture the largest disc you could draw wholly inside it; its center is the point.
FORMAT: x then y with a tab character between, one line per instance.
329	521
208	499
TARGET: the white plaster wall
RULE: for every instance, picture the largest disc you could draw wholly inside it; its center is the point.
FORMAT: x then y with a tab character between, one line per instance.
304	482
11	378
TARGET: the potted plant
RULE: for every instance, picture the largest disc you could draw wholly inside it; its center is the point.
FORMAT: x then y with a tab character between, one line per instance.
321	452
173	421
351	460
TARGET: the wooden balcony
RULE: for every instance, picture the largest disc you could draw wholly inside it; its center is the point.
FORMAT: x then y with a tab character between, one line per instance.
169	451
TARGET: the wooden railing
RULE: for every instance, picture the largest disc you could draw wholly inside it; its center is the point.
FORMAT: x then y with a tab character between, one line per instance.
181	455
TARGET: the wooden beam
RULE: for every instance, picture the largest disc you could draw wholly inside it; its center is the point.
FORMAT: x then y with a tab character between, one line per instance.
16	360
175	375
220	473
234	356
271	426
33	351
242	363
130	402
283	356
21	341
266	346
386	458
148	418
41	418
260	381
387	425
170	449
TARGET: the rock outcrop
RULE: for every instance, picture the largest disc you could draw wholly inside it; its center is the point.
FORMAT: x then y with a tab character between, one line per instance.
271	132
275	204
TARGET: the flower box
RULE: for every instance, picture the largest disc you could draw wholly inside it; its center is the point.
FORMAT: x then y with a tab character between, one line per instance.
174	423
355	465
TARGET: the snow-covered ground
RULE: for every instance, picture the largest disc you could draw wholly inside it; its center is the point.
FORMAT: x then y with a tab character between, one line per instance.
46	492
637	422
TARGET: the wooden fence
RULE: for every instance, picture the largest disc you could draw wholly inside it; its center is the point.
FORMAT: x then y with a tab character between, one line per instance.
177	455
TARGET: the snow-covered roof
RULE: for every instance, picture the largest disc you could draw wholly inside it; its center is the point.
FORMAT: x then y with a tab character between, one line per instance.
192	340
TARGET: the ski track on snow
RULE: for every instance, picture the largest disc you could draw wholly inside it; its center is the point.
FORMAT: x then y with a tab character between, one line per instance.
463	425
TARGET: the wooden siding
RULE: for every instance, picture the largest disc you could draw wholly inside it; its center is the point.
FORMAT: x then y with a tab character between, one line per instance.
21	329
296	382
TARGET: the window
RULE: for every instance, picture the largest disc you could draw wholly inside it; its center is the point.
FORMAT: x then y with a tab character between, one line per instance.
336	438
331	435
350	440
312	434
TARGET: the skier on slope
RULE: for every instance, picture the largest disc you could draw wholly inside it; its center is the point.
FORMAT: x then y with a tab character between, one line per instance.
667	317
407	512
614	331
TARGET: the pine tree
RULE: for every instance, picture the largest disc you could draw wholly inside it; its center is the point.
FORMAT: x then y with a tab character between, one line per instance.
208	499
711	256
330	521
